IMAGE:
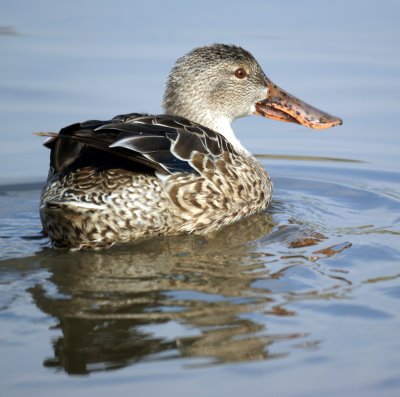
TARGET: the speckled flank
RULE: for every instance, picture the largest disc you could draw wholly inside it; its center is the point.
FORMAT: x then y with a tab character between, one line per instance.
98	208
227	190
92	208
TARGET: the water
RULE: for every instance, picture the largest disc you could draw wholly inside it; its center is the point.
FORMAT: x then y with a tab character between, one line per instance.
300	301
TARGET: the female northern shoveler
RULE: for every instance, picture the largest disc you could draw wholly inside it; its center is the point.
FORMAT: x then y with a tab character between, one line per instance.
139	175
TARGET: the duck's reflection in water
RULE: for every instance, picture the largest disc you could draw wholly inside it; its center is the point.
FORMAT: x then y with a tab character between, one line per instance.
113	306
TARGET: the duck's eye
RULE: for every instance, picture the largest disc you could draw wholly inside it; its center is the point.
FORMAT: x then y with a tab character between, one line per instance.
240	73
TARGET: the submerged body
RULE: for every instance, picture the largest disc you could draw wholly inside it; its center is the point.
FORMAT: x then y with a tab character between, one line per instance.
139	176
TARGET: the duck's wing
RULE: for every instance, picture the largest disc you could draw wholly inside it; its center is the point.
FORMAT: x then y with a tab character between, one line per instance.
164	143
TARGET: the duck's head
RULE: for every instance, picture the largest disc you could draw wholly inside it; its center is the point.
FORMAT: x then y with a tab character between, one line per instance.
216	84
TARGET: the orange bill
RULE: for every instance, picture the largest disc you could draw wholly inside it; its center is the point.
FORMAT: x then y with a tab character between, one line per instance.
280	105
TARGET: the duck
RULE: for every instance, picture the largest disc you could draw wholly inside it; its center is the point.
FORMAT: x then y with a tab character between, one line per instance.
139	175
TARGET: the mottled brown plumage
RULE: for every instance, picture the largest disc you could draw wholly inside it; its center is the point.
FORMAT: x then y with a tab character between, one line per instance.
139	175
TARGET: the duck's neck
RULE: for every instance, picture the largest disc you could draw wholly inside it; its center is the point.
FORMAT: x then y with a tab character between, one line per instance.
223	126
216	121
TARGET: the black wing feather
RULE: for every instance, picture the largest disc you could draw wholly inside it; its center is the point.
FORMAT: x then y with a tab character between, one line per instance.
163	143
